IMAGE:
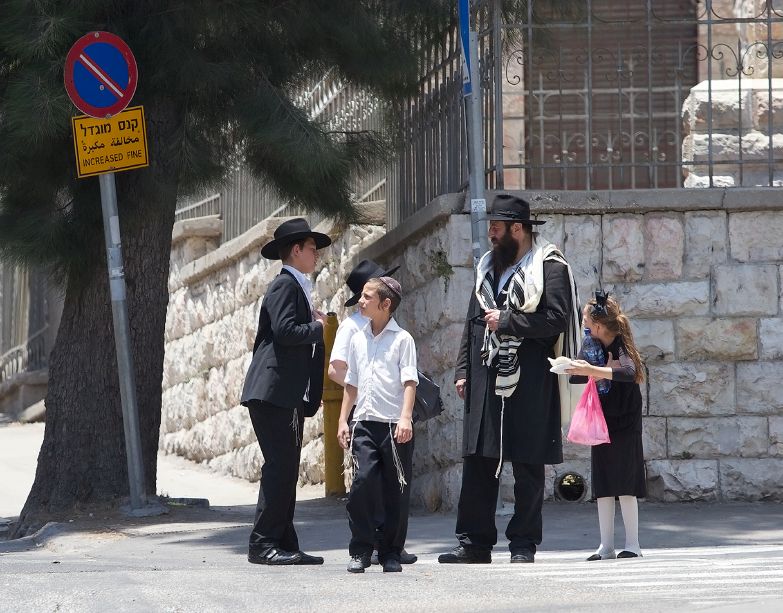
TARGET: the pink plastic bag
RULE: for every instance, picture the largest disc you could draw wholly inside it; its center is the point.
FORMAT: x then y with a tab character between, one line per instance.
588	426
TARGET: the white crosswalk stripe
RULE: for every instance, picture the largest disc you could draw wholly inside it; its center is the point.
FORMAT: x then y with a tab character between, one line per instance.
700	577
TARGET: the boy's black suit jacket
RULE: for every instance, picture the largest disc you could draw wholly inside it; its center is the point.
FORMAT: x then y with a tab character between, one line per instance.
283	358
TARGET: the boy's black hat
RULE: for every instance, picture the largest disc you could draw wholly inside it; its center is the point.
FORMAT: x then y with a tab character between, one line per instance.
363	272
506	207
289	232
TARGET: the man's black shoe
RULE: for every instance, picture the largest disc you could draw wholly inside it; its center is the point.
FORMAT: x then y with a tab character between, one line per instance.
309	560
392	566
358	563
274	557
463	555
523	556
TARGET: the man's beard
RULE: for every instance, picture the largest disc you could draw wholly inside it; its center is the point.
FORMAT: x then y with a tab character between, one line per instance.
504	253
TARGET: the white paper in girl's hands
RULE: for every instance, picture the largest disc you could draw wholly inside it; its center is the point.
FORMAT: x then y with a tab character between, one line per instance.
560	365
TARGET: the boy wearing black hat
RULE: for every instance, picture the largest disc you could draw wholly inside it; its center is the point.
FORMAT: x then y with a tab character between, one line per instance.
381	383
362	272
279	392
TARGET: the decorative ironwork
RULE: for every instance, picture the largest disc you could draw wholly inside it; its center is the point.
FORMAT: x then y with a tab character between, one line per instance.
603	89
582	94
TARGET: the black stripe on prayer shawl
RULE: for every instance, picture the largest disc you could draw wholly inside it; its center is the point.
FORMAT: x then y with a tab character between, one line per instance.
486	290
516	291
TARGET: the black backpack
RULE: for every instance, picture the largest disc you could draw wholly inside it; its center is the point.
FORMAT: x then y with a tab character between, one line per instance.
428	403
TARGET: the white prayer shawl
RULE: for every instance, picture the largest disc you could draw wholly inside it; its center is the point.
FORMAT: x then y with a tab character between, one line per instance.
524	294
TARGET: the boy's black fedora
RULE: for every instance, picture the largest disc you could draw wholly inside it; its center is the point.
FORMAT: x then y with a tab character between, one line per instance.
506	207
291	231
363	272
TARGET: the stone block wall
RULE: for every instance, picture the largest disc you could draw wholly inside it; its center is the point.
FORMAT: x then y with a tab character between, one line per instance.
699	274
215	296
698	271
738	125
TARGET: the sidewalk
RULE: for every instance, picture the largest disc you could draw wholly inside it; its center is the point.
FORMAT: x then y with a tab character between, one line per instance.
696	555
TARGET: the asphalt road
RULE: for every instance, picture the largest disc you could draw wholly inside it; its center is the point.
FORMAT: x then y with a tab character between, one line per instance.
717	557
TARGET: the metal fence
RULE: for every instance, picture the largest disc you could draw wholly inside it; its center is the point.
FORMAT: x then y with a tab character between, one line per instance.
245	200
431	157
578	95
241	204
595	94
24	338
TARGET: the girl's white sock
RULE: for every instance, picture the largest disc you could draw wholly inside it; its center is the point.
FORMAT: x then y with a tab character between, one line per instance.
606	525
629	508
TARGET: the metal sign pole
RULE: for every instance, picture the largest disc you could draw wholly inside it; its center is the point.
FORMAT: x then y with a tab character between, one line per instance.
471	91
130	415
472	94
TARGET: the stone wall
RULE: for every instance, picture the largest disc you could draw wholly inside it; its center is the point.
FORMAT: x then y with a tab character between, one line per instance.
215	296
699	273
738	125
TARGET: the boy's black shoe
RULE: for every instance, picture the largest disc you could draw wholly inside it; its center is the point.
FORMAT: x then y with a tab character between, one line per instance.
274	557
392	566
463	555
358	563
523	555
405	557
408	558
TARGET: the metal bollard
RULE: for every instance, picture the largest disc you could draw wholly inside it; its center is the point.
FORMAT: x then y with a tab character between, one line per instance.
334	484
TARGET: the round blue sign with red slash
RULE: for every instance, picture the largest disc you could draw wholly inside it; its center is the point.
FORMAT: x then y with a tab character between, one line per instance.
100	74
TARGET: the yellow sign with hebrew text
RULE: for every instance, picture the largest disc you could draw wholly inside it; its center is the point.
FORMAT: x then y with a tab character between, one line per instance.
110	145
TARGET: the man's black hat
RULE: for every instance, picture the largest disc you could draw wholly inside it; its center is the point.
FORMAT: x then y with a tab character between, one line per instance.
363	272
289	232
506	207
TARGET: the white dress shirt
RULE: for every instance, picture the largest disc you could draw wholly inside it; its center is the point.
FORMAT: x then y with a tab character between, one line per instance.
307	287
379	366
303	281
345	331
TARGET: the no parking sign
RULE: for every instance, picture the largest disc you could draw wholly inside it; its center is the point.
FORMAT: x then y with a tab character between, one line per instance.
101	78
100	74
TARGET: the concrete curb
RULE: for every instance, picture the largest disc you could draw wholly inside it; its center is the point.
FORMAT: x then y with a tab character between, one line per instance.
32	541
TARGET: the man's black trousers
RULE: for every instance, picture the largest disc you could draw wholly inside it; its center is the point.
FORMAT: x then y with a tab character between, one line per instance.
371	445
478	500
281	445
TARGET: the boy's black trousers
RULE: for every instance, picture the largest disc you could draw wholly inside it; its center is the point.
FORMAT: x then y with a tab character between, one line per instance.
281	446
371	445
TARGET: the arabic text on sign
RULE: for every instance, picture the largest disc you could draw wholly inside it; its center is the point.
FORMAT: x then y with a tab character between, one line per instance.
110	145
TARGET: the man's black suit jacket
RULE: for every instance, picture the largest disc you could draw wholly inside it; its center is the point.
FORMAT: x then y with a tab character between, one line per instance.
283	358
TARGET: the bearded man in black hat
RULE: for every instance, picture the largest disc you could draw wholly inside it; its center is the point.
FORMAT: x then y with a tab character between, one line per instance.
283	386
524	299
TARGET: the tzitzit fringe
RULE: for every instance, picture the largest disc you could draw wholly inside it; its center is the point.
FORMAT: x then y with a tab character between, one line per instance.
502	414
350	461
397	462
295	426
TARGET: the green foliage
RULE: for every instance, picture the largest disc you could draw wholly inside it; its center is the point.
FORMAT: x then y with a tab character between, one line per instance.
217	80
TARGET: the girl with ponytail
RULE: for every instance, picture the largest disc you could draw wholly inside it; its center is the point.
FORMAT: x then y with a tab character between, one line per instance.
617	466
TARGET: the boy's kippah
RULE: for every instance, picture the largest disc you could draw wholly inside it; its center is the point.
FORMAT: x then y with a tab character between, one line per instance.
393	285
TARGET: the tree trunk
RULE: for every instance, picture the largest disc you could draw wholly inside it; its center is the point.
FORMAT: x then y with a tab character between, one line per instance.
82	458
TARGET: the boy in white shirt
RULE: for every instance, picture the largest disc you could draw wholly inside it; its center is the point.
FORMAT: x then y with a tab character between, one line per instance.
381	381
338	360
